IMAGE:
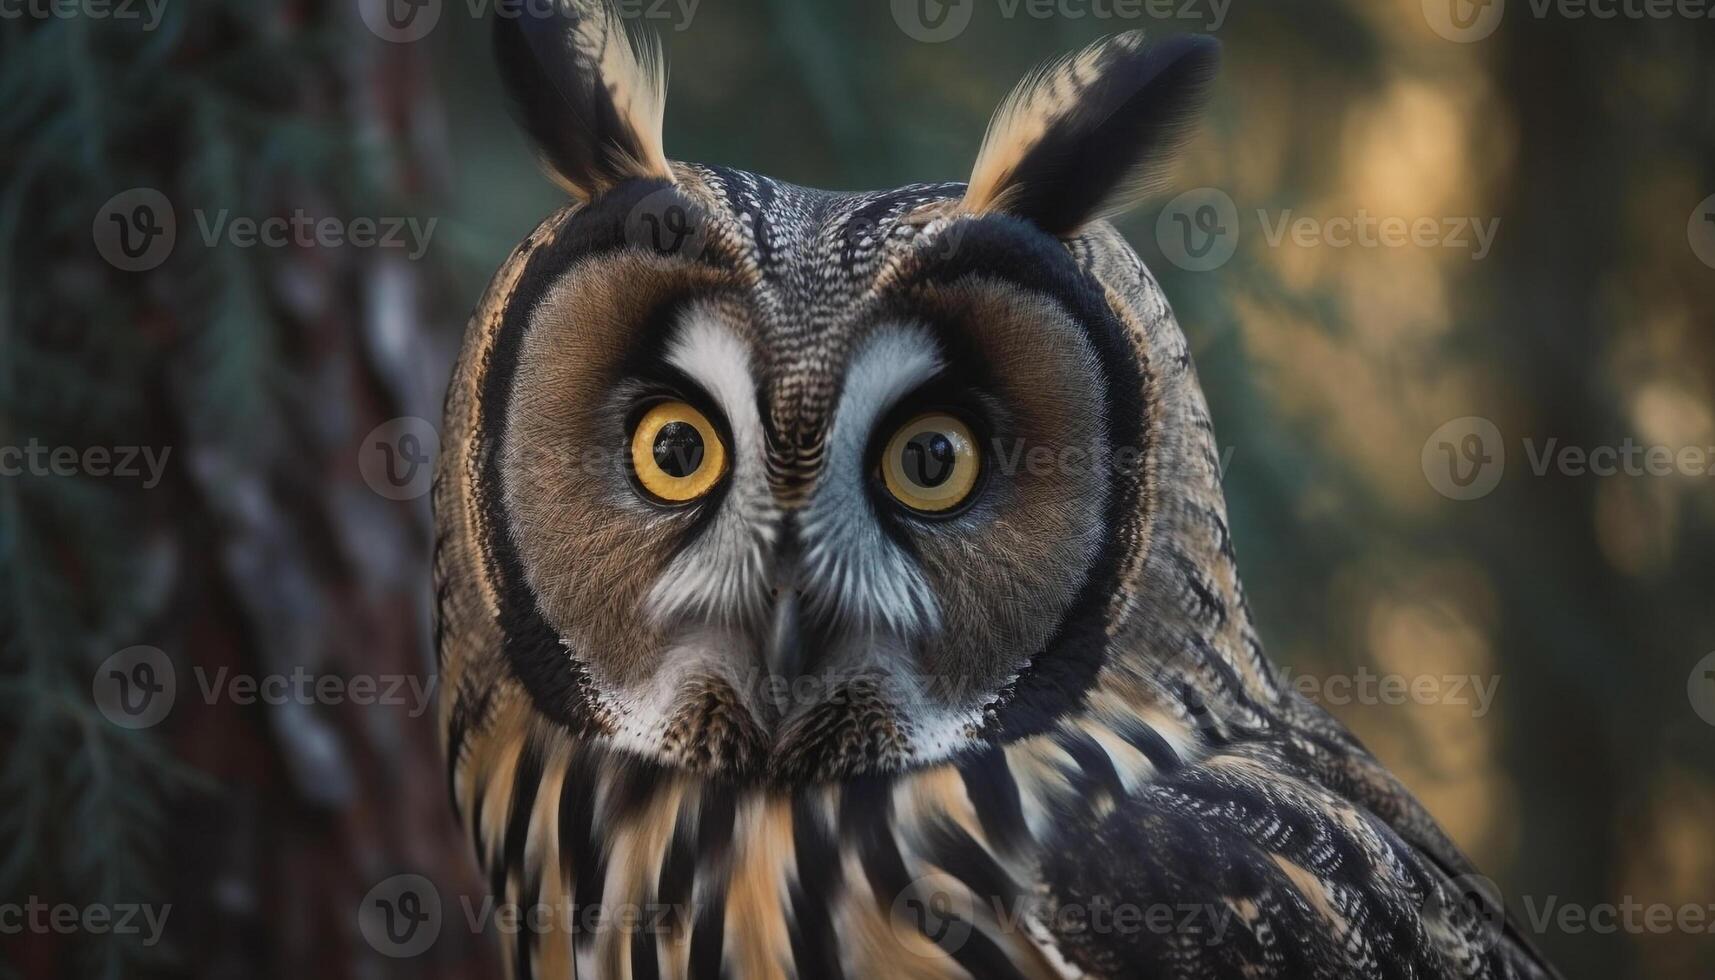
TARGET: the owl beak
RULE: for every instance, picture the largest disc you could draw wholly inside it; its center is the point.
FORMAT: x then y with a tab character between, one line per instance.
785	649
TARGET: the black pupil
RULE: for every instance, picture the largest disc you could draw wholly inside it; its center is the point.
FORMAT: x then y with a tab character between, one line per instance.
928	459
678	449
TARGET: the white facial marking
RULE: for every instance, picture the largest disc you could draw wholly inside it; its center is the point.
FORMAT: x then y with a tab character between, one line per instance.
720	577
855	572
704	652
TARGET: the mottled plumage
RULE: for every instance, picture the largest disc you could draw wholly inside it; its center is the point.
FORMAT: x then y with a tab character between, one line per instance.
1023	716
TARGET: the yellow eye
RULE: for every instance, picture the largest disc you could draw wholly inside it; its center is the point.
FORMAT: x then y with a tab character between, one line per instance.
931	463
676	453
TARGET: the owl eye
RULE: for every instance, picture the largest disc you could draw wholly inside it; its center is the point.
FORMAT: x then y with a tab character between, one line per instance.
676	453
931	463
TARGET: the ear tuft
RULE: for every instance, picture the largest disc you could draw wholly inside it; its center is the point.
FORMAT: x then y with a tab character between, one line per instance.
1089	134
590	96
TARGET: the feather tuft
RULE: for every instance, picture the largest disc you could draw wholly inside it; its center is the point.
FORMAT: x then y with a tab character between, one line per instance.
591	95
1088	135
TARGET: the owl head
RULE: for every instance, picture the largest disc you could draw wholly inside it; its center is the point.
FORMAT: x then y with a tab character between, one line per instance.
779	483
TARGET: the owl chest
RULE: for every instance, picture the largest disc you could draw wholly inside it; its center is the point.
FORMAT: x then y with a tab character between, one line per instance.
702	881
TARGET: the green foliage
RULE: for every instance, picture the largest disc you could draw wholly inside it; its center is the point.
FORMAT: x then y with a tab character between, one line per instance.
90	356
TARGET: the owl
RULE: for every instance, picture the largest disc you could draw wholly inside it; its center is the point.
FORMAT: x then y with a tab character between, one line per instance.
839	584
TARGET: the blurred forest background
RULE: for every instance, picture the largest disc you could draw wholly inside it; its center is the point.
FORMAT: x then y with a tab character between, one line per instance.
268	545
